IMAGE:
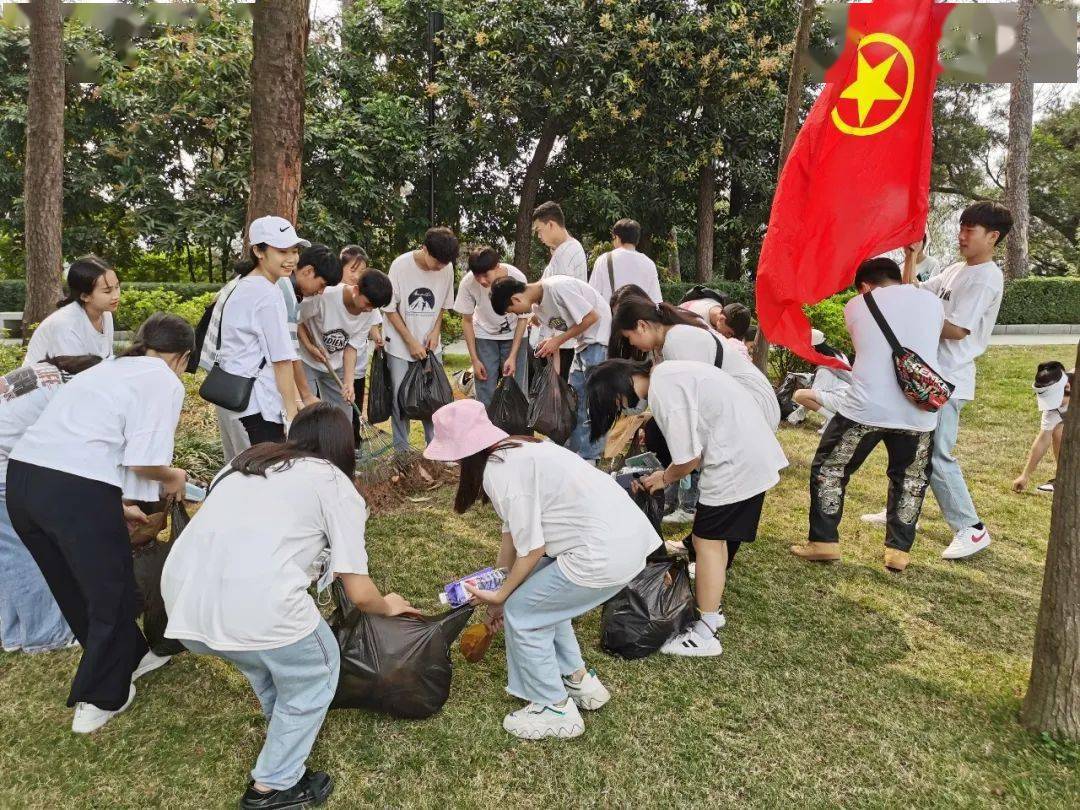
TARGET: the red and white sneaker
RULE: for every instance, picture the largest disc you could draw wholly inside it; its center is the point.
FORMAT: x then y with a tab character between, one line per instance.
966	542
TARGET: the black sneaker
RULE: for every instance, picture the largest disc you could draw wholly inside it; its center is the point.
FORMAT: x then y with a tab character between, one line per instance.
313	789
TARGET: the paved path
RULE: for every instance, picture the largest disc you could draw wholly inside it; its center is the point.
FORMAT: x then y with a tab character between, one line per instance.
1034	340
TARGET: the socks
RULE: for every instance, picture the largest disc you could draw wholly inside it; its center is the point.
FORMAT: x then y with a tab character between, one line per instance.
707	625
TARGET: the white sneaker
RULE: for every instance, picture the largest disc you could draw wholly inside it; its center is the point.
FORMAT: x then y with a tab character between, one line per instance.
877	518
796	416
1047	487
89	717
149	663
589	693
535	722
679	516
966	542
692	645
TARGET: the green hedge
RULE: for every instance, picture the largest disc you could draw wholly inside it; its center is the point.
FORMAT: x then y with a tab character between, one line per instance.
1041	300
13	292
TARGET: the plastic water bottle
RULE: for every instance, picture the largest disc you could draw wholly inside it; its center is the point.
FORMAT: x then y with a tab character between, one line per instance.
486	579
193	493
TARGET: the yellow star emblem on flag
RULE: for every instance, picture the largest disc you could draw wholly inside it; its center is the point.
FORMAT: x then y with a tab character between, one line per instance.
871	86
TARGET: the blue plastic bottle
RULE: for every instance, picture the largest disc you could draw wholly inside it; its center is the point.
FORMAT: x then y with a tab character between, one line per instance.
486	579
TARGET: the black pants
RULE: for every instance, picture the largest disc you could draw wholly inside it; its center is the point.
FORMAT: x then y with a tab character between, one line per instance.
566	359
842	450
74	529
259	430
358	390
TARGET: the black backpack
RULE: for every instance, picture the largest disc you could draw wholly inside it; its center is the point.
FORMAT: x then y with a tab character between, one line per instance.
699	291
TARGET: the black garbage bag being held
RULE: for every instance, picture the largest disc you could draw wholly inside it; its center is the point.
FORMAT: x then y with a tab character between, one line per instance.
651	504
425	389
148	561
509	409
397	665
656	604
381	391
553	411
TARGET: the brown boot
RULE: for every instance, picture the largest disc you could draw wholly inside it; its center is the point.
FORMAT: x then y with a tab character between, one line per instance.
814	551
896	560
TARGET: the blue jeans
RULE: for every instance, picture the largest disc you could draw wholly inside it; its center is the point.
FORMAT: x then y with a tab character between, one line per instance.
592	355
295	685
493	353
30	619
400	425
540	643
946	477
324	386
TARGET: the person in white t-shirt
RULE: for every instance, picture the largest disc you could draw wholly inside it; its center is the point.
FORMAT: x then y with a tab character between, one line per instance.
1053	389
334	329
317	269
970	291
496	342
571	311
926	266
354	265
567	259
710	422
569	542
423	281
254	336
875	411
827	388
67	477
83	322
246	600
30	619
623	264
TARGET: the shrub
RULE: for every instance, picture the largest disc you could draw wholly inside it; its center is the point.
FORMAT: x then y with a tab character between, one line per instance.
13	292
1041	300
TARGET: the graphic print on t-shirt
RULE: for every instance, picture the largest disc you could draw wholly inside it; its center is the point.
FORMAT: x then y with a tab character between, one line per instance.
505	327
558	323
421	300
335	340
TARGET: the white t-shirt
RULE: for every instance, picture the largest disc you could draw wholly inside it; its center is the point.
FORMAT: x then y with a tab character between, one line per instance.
568	259
693	343
565	304
254	327
24	393
119	414
548	496
630	267
972	298
209	348
69	331
927	268
419	297
1052	418
702	411
874	397
237	577
475	299
332	325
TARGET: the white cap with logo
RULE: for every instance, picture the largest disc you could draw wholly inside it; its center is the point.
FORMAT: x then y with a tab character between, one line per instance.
276	232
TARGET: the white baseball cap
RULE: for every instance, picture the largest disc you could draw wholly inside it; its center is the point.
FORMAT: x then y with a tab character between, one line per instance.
276	232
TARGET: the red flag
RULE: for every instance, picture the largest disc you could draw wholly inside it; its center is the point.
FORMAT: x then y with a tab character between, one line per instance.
857	181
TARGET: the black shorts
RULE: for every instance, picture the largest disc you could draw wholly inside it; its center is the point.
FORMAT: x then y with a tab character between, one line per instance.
734	522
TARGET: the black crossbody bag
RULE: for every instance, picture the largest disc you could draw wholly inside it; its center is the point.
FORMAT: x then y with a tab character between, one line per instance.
229	391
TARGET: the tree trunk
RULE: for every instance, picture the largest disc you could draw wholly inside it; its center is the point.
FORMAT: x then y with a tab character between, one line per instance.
44	169
1021	102
791	127
674	265
733	261
280	32
706	221
530	185
1052	703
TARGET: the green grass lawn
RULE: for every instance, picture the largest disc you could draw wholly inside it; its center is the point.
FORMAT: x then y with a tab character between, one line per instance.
840	685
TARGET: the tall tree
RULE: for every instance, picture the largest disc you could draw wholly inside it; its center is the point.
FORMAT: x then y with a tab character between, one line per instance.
706	221
1052	703
280	33
1021	108
791	126
530	185
44	168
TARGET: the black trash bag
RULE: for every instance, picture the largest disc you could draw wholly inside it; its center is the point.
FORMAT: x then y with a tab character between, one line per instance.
657	604
791	383
536	372
509	409
700	291
397	665
381	391
553	411
651	504
148	561
425	389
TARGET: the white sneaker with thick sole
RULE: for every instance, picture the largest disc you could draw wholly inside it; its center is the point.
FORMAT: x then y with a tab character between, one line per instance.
89	717
678	516
149	663
589	693
877	518
692	645
1047	487
535	722
966	542
796	416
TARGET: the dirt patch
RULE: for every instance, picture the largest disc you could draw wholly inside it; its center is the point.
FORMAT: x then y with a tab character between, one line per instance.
418	478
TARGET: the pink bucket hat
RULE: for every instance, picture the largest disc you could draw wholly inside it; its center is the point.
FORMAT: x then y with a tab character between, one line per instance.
461	429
